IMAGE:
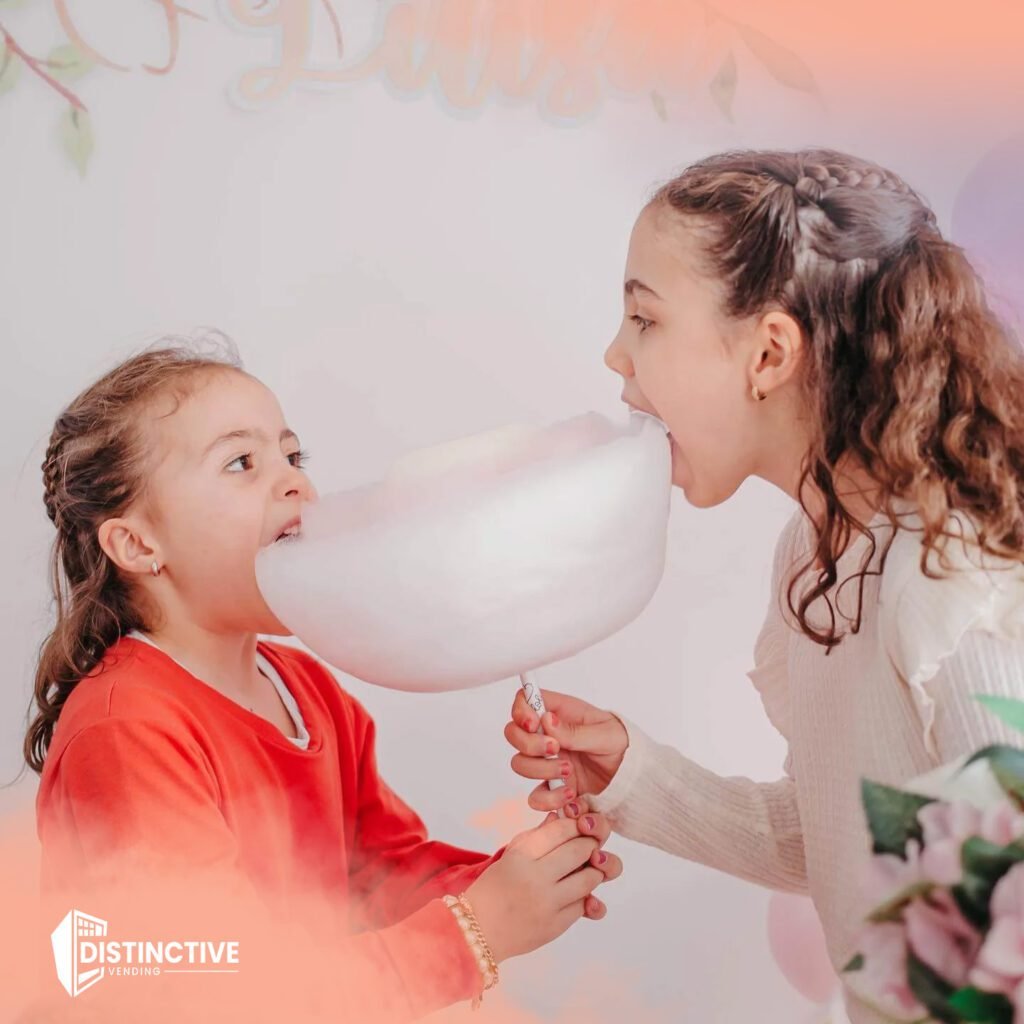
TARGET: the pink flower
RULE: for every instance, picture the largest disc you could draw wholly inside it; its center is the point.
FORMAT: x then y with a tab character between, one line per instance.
882	981
1000	966
887	875
940	936
1002	823
946	826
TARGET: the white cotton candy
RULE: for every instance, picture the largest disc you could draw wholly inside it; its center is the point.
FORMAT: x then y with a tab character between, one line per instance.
483	558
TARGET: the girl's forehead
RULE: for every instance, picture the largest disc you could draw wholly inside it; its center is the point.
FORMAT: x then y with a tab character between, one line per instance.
217	405
665	250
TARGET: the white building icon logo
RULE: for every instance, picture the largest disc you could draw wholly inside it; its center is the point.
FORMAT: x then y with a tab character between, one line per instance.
72	973
83	954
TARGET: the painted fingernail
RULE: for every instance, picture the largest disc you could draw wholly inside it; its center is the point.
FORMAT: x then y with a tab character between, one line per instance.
568	794
573	809
601	857
565	768
551	747
554	719
588	822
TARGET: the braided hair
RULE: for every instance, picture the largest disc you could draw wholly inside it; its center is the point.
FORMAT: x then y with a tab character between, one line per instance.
909	371
94	469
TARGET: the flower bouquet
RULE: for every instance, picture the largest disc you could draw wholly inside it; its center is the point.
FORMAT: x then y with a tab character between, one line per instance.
945	941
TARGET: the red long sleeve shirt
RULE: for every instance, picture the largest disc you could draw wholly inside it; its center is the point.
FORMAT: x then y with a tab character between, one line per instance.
151	763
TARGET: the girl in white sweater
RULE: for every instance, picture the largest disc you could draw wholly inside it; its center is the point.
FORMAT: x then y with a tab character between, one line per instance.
798	316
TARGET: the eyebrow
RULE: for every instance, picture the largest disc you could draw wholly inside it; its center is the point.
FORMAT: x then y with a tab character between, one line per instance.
633	285
256	435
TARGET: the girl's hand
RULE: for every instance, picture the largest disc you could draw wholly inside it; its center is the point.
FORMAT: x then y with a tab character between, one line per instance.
589	741
542	884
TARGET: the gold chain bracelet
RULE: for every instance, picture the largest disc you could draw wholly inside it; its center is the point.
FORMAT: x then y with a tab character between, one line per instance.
463	911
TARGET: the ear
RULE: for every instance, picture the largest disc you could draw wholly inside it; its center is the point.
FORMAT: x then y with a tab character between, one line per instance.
124	544
778	351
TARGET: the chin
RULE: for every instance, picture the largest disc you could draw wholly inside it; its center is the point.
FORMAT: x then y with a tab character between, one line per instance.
697	495
707	503
278	631
274	628
270	624
682	479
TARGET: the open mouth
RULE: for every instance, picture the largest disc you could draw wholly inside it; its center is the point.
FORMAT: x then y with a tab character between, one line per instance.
647	412
290	534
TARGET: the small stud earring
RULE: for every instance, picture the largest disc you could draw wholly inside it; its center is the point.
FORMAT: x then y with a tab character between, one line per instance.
154	568
759	395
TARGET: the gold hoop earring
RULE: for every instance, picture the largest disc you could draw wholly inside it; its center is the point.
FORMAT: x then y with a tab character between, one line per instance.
758	394
154	568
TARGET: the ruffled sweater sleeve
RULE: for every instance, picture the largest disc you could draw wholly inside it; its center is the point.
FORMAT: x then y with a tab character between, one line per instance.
954	638
748	829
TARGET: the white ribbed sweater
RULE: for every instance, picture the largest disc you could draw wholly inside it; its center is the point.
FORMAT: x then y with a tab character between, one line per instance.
891	702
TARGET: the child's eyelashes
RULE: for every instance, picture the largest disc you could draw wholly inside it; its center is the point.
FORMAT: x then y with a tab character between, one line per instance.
297	458
641	322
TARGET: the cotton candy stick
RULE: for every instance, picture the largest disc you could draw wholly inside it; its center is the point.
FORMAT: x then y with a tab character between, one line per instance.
536	701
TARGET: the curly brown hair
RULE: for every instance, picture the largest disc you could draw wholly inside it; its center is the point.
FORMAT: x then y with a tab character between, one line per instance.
95	468
910	373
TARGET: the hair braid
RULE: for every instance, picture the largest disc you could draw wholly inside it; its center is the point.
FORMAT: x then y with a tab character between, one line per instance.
94	468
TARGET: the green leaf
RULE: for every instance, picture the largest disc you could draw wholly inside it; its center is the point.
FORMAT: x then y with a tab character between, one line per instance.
972	896
784	65
1010	710
723	85
67	62
856	964
989	860
984	864
76	134
10	68
892	908
892	816
932	991
982	1007
1007	764
659	105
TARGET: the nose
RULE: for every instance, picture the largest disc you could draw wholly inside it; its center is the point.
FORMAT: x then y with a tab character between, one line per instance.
617	359
296	484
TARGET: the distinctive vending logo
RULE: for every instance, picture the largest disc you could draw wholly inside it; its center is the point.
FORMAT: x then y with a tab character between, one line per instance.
83	955
76	968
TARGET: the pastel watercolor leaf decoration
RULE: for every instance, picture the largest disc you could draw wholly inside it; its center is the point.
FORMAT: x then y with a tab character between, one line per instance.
67	62
10	68
782	63
76	135
1007	709
723	85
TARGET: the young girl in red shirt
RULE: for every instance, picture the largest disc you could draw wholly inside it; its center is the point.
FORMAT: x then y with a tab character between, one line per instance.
173	744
